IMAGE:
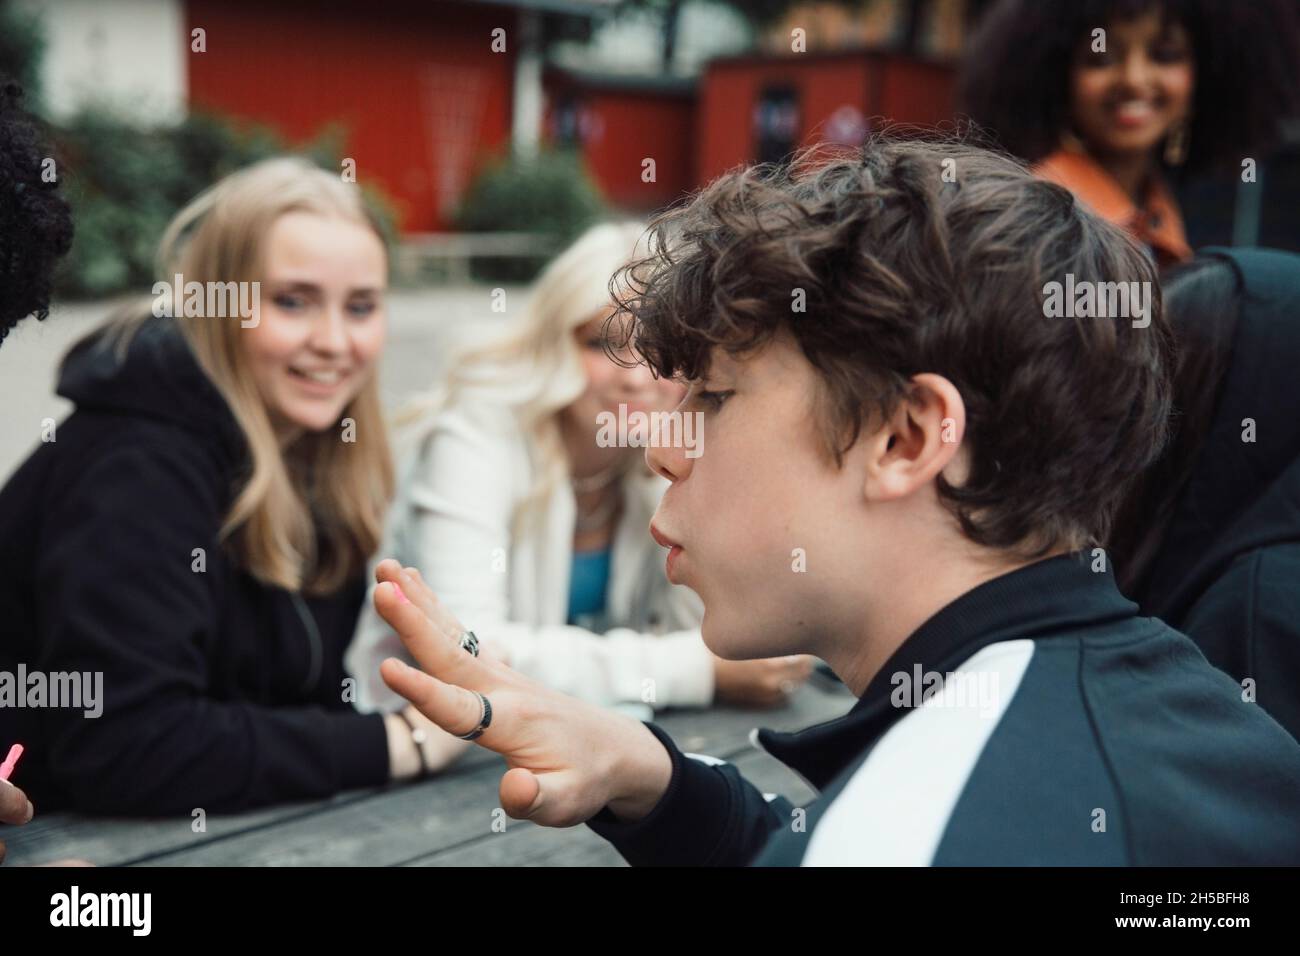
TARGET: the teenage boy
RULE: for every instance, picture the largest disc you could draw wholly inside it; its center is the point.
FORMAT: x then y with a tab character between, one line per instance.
910	460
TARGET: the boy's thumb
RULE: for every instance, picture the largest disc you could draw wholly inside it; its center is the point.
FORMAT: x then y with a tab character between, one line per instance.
521	793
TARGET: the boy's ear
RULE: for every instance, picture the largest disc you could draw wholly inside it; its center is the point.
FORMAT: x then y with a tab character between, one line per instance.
918	441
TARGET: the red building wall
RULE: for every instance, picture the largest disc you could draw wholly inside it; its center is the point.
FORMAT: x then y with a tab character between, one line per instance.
621	128
422	99
917	92
415	84
876	86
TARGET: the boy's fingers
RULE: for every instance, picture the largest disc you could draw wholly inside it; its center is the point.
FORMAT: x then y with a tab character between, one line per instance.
433	651
419	594
392	572
408	578
454	709
387	569
421	598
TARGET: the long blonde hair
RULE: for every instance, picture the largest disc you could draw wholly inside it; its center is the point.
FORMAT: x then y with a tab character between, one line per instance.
308	516
536	367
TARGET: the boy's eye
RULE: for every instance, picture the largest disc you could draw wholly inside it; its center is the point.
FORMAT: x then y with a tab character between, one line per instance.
361	308
713	400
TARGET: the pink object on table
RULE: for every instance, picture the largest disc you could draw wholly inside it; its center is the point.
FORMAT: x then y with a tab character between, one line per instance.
11	761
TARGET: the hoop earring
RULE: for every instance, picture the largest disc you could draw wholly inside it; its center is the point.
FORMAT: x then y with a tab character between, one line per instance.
1176	144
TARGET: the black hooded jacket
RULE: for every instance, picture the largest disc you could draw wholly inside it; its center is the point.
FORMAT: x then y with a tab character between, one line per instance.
218	692
1228	571
1061	728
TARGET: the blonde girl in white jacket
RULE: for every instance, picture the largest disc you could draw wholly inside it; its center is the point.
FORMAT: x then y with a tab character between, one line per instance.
534	534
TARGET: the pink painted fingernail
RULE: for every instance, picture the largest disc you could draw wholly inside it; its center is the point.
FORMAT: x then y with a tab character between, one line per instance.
400	595
10	762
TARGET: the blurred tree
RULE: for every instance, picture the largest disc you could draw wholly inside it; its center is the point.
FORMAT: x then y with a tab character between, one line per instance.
22	46
550	194
126	182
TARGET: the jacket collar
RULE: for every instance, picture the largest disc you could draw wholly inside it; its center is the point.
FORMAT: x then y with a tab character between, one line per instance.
1156	222
1046	599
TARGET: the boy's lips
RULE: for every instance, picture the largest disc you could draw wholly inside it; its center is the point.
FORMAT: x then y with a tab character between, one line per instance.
662	539
674	550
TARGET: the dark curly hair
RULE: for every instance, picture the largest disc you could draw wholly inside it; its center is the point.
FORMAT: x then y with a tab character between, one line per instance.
1015	77
35	221
906	270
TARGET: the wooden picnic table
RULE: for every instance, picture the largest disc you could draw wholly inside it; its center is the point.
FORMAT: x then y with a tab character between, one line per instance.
449	820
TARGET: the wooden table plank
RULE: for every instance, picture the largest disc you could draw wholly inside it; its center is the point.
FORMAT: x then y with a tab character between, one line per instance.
526	844
453	813
386	828
111	841
433	816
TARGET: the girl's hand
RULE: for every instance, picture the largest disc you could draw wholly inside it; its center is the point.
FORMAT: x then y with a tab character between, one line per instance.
568	759
762	683
440	749
15	809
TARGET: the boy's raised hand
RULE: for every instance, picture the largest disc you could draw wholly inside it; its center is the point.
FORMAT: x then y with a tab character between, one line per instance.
568	759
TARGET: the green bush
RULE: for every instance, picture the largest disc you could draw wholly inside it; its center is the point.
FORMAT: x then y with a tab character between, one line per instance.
550	194
126	182
22	45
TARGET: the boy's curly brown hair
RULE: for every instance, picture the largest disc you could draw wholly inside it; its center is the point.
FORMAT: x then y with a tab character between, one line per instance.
919	256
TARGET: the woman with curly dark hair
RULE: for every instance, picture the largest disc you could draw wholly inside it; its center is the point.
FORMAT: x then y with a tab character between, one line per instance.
35	222
35	230
1109	97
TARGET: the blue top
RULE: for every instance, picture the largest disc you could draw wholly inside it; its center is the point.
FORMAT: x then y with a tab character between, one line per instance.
588	581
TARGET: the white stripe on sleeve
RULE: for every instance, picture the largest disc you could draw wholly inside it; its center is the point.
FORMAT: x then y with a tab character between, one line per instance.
895	809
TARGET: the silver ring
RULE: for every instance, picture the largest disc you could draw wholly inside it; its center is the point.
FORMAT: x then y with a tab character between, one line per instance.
468	642
484	722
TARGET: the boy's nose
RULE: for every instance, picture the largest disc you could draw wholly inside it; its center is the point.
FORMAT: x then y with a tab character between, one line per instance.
667	461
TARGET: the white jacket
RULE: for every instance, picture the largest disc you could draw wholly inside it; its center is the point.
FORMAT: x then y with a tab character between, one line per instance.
470	469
